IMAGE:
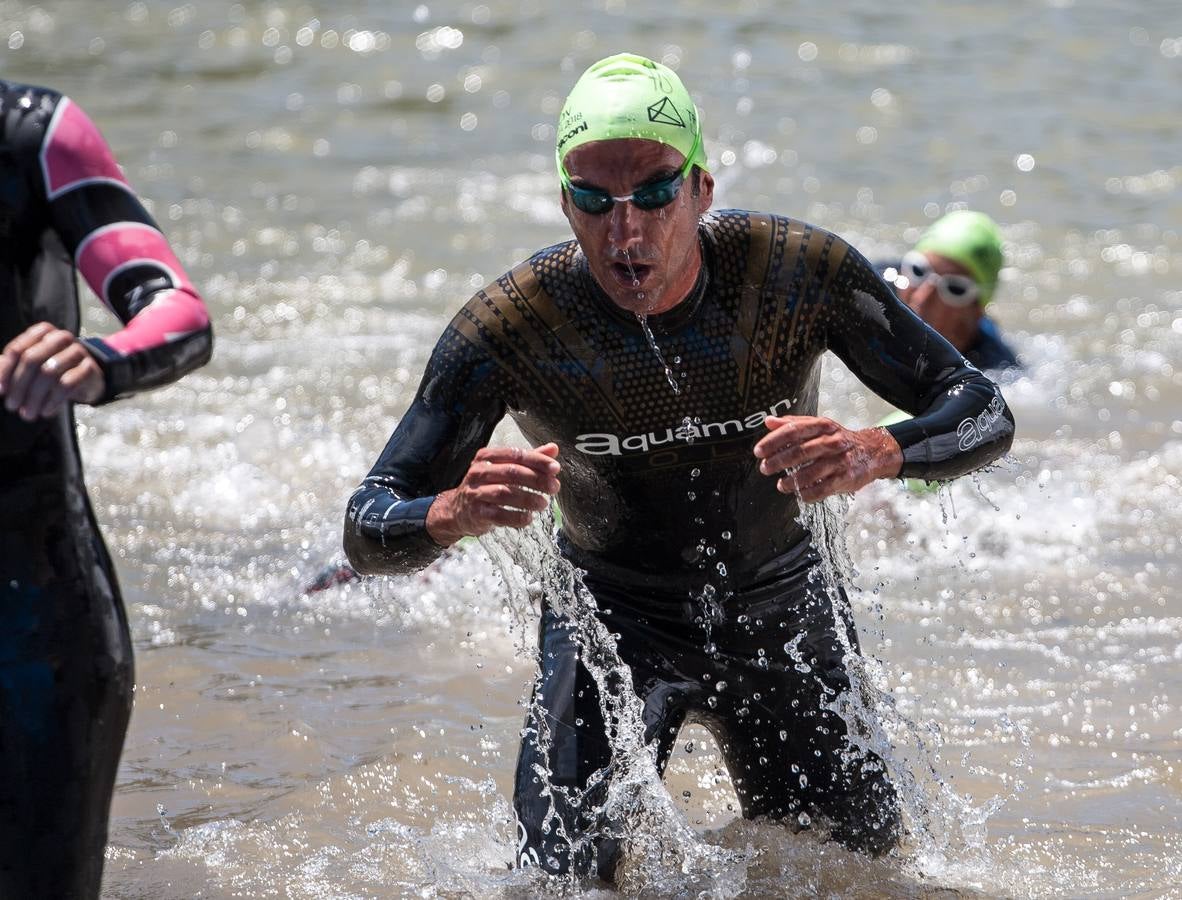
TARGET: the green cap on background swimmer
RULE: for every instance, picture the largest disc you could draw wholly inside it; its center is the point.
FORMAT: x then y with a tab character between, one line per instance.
629	96
971	239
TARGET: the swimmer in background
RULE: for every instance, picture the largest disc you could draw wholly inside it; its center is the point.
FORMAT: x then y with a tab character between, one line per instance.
66	672
949	278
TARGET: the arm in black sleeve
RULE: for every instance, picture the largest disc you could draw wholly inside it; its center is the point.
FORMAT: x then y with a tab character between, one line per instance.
961	419
453	415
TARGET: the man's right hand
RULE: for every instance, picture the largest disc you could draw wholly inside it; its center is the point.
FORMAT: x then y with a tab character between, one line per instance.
503	486
43	368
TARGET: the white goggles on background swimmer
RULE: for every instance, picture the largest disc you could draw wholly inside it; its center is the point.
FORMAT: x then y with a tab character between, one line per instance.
955	290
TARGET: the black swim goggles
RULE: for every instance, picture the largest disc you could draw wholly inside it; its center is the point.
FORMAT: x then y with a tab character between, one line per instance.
653	195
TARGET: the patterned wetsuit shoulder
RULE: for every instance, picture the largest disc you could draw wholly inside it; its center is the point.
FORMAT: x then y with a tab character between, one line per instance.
508	333
777	254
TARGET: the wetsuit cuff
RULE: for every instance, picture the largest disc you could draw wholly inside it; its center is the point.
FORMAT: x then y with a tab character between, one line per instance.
914	441
108	361
392	537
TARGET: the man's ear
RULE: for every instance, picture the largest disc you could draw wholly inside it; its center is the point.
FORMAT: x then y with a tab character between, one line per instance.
705	193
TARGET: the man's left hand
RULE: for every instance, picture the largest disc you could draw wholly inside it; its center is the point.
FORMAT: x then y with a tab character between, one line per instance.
42	368
814	457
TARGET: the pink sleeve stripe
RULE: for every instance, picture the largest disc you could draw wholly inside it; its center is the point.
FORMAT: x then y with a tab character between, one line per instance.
170	317
107	250
74	152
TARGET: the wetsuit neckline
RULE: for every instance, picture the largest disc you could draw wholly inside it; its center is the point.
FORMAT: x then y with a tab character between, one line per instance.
671	319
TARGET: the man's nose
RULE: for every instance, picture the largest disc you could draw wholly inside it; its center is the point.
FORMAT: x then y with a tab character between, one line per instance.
921	295
624	225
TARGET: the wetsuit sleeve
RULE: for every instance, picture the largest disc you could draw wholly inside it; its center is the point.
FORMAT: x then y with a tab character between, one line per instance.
961	421
124	258
455	410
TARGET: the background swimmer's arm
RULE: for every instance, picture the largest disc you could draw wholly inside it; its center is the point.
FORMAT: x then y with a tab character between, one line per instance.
453	415
961	419
124	258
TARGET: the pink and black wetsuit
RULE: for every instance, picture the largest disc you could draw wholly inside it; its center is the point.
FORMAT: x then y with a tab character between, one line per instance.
65	652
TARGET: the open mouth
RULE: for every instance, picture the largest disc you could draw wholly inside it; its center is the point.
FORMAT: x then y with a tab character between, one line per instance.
635	274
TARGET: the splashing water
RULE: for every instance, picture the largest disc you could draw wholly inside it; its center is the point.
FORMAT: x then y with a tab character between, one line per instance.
661	851
944	827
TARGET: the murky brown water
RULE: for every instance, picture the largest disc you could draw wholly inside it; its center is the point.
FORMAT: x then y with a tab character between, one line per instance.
340	177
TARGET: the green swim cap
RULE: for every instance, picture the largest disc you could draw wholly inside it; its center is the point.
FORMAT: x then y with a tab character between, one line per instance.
629	96
971	239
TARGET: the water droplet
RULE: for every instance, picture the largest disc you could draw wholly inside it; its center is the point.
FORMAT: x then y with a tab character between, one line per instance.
804	780
712	702
726	535
721	686
804	820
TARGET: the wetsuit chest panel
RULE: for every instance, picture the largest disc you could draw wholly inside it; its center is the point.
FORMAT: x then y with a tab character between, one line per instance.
636	437
657	466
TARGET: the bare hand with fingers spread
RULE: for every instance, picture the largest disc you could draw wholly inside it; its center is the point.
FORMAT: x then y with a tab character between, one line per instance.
814	457
503	486
42	368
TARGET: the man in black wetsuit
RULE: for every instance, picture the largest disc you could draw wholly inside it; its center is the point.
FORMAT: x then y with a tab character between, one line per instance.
65	652
664	367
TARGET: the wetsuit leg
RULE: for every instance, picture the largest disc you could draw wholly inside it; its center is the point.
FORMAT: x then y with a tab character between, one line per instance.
65	699
787	750
565	763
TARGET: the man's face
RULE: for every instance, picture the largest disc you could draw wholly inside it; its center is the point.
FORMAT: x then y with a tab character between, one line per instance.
957	324
646	261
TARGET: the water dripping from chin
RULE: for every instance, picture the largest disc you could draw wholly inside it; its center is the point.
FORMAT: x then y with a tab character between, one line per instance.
641	296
